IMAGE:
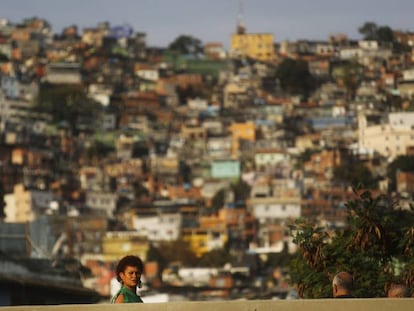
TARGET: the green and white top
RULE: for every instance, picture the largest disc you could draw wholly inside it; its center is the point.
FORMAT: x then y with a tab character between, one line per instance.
129	296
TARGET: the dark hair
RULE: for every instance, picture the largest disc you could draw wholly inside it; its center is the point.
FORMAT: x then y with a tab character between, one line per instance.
128	261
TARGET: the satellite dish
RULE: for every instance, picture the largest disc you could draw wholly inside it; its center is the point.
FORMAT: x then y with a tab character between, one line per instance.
198	182
38	127
54	205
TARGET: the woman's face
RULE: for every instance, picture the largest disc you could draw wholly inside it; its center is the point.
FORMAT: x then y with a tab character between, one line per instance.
131	277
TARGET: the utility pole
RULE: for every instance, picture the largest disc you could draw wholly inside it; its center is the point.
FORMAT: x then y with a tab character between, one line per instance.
2	202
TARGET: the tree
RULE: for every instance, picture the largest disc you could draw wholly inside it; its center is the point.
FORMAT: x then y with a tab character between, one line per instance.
371	31
3	57
279	260
155	254
349	74
95	151
186	44
174	251
218	200
304	157
376	246
403	163
385	34
140	190
215	258
241	190
294	76
66	103
354	174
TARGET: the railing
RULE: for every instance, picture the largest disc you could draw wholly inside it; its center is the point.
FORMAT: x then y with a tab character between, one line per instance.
382	304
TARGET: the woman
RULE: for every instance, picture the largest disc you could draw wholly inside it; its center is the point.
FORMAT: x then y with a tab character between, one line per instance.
128	273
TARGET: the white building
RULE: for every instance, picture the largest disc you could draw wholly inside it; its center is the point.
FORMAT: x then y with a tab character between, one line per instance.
24	205
158	227
270	157
103	201
219	147
148	74
63	73
390	139
272	209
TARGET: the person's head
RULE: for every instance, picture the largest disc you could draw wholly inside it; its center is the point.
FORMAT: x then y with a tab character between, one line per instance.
342	284
129	271
398	291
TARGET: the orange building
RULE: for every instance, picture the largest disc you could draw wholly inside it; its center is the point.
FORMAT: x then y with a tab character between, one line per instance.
215	230
323	163
241	131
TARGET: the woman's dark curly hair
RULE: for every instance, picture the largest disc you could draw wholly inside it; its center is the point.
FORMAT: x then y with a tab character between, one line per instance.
128	261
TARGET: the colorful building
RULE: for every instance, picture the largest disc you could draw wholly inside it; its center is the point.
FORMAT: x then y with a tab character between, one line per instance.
258	46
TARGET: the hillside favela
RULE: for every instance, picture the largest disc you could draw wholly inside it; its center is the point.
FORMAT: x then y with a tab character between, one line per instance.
256	171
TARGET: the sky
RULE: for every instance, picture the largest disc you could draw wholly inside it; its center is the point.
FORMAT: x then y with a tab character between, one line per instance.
215	20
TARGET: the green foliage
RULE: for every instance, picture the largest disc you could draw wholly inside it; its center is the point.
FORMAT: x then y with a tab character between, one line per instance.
294	76
354	174
371	31
97	150
215	258
205	67
393	102
140	190
186	44
281	260
403	163
304	157
3	57
368	30
187	92
385	34
241	190
155	254
350	74
66	103
218	200
174	251
375	246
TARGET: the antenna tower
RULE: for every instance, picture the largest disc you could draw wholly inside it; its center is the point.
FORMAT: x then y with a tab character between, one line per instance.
241	28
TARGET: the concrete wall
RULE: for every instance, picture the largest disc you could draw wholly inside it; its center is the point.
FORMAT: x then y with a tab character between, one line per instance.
384	304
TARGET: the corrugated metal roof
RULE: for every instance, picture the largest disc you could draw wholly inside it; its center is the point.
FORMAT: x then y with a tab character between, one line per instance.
13	238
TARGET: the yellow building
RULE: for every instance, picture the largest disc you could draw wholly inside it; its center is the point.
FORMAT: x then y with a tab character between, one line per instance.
118	243
203	240
241	131
259	46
